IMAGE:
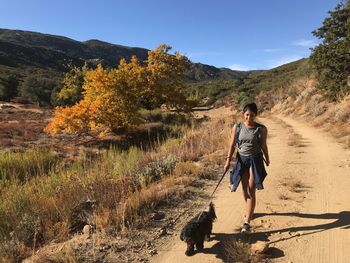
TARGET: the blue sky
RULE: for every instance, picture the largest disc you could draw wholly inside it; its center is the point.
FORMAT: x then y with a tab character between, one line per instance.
239	34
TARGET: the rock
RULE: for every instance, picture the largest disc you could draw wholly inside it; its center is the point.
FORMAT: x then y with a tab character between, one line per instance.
120	248
162	232
136	247
87	231
152	252
106	247
158	215
148	244
259	247
81	215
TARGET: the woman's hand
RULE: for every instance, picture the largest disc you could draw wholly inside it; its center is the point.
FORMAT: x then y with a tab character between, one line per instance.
227	165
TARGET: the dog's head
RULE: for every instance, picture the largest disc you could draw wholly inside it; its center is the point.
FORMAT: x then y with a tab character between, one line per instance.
211	211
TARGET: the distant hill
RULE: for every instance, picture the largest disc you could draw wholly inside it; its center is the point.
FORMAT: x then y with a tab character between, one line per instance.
25	49
30	49
34	63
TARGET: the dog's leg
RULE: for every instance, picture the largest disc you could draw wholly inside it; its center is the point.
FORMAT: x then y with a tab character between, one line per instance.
190	249
200	244
207	237
210	226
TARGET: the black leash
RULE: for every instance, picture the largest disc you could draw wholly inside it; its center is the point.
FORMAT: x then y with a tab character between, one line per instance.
222	177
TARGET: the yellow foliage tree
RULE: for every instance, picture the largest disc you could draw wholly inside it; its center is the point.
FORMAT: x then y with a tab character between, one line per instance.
165	78
112	97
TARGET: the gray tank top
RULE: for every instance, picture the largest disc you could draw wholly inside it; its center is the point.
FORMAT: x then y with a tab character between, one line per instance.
249	141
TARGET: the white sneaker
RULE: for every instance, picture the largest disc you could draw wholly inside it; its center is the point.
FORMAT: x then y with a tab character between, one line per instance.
246	228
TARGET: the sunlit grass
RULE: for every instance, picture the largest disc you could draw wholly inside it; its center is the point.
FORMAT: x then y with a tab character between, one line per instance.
126	185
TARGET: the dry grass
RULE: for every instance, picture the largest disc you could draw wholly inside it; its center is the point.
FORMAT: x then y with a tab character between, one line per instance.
186	169
333	117
25	165
66	255
127	185
339	130
237	251
134	210
316	105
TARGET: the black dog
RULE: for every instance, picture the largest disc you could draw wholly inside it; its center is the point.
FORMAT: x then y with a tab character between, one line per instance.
199	227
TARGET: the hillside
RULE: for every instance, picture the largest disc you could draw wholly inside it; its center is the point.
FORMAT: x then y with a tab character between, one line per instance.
25	49
24	53
43	58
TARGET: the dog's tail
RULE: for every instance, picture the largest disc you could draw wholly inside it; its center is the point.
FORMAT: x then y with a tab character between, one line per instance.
212	211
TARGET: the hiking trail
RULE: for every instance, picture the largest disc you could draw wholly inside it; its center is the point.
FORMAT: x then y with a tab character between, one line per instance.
304	210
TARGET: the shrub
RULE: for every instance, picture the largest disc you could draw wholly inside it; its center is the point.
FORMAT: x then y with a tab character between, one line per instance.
25	165
156	169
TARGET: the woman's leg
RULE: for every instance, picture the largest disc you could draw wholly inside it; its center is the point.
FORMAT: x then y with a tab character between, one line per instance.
245	190
248	187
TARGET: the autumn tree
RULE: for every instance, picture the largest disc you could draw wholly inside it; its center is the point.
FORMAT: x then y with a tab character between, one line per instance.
331	58
112	97
165	77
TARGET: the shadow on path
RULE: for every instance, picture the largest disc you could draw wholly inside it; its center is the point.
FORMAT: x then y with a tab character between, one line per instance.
341	220
226	240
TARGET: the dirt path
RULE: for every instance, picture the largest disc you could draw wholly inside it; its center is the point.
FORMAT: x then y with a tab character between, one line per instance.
304	211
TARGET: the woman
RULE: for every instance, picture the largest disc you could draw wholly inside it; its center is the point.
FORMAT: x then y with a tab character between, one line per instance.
249	168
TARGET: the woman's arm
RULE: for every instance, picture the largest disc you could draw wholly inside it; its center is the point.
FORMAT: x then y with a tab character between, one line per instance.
230	150
264	145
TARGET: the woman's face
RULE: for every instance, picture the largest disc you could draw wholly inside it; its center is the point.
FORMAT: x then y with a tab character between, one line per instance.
249	116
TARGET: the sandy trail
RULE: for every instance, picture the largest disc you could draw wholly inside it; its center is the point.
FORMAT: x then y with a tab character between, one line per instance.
304	210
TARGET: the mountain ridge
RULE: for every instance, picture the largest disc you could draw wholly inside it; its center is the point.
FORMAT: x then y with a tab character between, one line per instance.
53	51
